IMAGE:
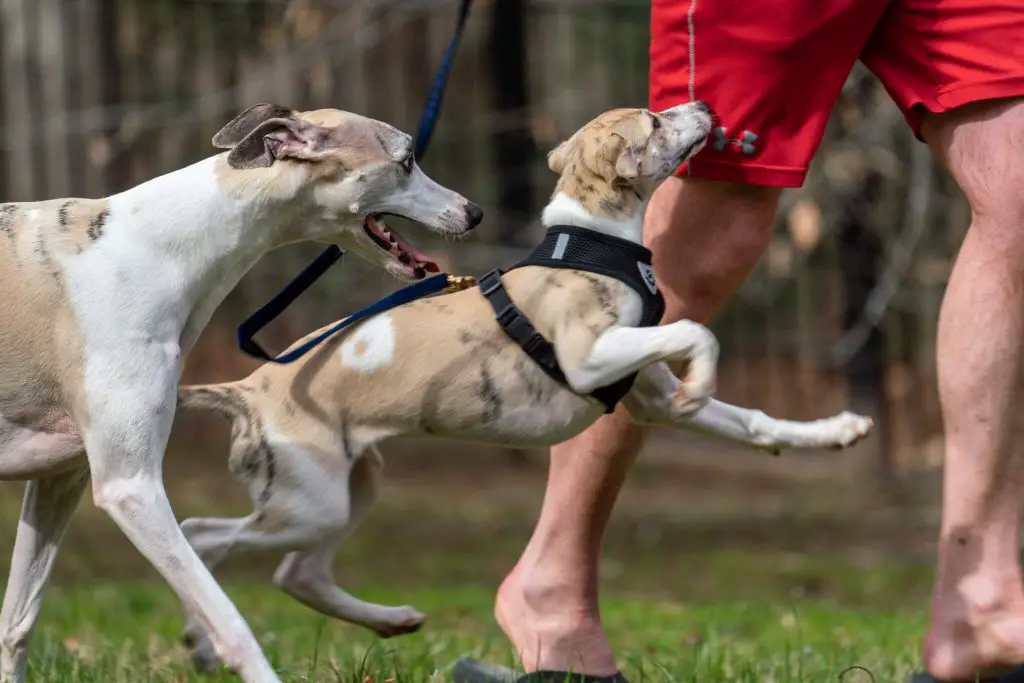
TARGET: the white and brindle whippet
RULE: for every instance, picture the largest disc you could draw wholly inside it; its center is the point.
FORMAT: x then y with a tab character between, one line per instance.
103	298
304	434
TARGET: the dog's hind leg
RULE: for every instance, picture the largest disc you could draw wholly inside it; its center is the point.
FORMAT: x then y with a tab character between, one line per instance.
214	540
655	400
307	576
46	510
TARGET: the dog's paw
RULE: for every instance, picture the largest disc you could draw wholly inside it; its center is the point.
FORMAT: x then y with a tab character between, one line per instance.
402	620
690	396
846	429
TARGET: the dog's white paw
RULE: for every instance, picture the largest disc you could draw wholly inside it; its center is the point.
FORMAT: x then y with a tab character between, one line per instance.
690	396
846	429
399	622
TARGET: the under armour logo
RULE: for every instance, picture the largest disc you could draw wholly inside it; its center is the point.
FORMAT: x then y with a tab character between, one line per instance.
647	273
744	143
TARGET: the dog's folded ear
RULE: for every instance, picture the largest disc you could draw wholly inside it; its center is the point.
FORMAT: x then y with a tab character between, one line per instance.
243	124
279	139
627	160
560	156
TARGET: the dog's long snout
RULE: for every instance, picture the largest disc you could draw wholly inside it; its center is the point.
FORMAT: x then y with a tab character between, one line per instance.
474	214
698	107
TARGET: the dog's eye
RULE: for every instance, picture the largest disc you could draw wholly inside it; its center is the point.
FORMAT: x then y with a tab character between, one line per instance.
655	123
407	163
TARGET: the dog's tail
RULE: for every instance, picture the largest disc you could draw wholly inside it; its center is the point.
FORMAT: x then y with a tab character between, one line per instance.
228	399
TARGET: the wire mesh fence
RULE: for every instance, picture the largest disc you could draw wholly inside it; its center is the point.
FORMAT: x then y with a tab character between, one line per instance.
98	95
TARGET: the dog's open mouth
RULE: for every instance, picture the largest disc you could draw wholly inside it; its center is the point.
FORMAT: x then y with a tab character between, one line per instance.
418	263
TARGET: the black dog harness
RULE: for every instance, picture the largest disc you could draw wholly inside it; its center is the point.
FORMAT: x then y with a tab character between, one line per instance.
577	249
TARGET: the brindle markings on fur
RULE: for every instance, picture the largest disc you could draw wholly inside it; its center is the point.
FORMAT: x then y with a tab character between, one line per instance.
64	216
486	346
346	449
267	454
229	400
97	224
613	203
489	394
7	218
45	257
537	387
435	305
551	282
602	293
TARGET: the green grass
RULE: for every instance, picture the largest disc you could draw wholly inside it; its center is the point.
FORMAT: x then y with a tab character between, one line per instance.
121	633
700	583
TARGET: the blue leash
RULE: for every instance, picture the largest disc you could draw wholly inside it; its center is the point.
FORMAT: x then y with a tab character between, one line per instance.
417	290
294	289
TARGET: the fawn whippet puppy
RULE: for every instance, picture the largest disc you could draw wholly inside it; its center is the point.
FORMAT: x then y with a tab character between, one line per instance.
304	434
103	298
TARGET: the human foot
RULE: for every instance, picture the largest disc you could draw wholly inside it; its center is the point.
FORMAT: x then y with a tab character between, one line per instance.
976	633
552	626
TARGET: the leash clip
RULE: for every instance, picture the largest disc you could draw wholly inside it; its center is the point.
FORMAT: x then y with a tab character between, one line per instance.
457	283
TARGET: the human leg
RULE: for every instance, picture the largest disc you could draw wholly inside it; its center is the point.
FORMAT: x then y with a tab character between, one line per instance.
977	617
954	68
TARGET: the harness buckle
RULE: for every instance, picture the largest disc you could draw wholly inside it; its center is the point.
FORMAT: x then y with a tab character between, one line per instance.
490	282
508	315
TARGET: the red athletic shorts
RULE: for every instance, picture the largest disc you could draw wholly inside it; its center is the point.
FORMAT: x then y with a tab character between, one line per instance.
772	69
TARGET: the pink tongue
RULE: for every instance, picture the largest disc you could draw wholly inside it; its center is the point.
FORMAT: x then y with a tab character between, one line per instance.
417	255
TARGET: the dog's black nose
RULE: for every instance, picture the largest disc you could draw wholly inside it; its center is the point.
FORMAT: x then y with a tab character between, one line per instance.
475	214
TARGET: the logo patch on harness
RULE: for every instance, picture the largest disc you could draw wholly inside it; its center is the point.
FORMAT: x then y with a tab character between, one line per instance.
647	273
744	144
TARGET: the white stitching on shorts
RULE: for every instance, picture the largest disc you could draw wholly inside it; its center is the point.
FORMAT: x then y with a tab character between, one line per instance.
693	49
693	60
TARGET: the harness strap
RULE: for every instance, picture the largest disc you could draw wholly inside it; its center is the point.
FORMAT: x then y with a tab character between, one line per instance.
520	330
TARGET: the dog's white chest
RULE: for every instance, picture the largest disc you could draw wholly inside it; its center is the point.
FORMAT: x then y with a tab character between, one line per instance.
371	346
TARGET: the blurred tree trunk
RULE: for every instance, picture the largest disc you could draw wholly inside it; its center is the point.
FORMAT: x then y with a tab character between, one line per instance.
512	138
18	115
861	261
116	175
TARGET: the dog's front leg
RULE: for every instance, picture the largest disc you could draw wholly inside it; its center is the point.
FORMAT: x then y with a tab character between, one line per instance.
47	507
621	351
130	410
653	400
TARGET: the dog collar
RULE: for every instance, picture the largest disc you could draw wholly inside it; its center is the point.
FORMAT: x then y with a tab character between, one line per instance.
576	248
